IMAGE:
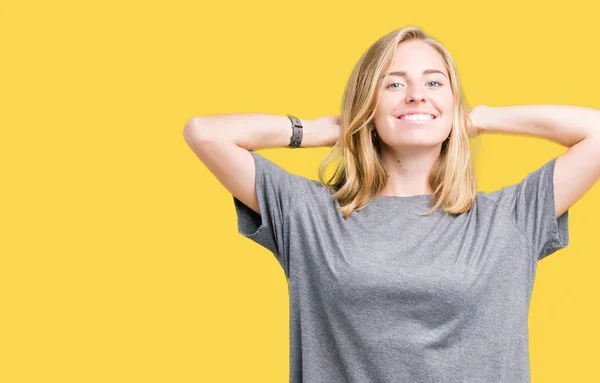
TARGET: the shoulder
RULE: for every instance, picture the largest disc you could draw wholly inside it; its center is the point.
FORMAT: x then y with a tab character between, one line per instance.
288	185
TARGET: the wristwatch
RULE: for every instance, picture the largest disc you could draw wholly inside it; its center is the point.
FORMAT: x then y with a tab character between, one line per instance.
296	137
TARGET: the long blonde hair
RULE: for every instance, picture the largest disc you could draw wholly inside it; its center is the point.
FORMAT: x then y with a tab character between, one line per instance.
360	176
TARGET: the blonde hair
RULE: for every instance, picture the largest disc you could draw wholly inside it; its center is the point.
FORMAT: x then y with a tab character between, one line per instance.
360	176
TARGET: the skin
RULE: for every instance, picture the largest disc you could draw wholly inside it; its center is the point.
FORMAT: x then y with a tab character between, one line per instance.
410	150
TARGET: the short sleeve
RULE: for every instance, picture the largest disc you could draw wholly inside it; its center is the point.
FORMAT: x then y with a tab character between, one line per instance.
531	205
280	194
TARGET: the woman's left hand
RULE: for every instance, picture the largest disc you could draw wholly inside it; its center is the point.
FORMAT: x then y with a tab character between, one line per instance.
475	120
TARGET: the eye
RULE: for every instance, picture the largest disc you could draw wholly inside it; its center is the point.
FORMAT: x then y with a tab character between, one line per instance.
389	85
437	82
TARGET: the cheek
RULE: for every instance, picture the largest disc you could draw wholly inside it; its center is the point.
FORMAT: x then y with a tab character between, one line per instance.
384	109
447	107
448	101
386	102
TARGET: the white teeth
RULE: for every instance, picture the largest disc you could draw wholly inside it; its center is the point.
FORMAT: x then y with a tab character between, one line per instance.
417	117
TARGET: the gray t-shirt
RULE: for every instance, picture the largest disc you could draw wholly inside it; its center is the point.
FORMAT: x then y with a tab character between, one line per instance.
390	296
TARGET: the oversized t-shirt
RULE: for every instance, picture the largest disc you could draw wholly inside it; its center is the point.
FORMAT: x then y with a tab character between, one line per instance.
391	296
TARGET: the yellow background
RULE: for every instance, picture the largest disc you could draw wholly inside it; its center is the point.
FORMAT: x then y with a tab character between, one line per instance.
120	257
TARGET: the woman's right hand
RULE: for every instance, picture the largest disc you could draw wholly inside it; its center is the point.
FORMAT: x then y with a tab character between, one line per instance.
330	125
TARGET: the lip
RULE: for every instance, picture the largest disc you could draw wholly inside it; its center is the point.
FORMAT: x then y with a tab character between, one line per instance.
410	113
415	122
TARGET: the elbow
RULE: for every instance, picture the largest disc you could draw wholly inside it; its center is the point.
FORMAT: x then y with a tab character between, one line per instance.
193	131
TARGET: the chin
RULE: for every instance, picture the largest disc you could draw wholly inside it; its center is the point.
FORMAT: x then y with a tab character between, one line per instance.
420	137
416	144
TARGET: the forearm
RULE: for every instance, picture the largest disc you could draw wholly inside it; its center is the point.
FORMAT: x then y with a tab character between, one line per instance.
564	124
255	131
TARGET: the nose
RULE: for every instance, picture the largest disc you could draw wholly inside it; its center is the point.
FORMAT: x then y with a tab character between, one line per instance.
415	93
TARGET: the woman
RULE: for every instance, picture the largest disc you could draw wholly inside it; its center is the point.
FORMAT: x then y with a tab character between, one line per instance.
398	270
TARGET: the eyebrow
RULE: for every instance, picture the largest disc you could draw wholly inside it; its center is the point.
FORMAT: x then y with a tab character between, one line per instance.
403	73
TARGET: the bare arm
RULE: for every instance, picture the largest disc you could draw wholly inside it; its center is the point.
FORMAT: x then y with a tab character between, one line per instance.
260	131
573	126
222	143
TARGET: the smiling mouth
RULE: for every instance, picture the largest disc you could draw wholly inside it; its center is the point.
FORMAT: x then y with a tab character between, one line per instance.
417	119
420	117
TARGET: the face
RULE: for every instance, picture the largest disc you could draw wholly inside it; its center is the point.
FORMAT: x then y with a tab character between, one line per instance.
415	91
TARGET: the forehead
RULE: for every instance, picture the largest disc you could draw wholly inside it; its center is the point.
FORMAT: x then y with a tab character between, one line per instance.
416	56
